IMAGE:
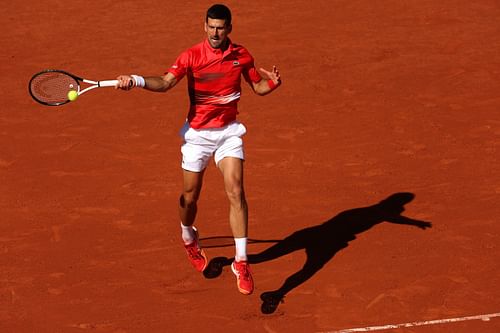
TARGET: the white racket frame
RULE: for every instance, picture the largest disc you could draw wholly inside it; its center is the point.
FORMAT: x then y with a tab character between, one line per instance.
95	84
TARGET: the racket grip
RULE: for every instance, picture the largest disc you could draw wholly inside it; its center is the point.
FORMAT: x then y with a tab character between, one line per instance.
108	83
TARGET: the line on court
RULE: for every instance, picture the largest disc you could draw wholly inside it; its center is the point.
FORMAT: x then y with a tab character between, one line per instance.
484	317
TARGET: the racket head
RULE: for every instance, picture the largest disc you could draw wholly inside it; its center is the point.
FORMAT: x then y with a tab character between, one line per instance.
51	86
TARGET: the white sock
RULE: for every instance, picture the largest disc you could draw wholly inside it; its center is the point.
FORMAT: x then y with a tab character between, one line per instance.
241	249
187	234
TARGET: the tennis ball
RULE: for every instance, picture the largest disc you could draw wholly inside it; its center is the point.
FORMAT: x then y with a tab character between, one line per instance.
72	95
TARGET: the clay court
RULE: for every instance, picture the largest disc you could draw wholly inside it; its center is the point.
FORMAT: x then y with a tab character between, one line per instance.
379	99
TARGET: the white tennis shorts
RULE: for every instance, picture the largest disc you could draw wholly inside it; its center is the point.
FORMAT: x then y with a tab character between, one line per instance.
201	144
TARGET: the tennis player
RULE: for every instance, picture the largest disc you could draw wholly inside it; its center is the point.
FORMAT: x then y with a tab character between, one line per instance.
214	69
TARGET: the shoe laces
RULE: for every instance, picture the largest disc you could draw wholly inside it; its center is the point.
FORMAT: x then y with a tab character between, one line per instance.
243	271
193	251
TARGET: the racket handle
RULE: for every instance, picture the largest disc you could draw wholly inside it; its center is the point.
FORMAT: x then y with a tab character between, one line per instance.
108	83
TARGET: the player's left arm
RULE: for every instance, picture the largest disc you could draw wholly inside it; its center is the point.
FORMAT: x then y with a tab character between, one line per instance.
408	221
271	80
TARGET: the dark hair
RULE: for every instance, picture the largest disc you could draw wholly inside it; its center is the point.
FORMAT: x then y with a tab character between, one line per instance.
219	12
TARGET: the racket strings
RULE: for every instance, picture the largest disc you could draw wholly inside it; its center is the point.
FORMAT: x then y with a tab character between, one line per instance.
52	87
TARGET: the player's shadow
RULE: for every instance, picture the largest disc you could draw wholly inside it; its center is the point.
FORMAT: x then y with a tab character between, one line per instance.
322	242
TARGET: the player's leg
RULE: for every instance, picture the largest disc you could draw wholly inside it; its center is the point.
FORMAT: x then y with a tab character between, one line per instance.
232	171
192	183
195	156
187	213
229	158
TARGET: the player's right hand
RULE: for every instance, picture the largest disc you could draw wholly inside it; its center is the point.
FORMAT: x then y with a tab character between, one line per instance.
125	82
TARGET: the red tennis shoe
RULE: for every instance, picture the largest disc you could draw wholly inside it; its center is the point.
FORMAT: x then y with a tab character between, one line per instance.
243	276
196	255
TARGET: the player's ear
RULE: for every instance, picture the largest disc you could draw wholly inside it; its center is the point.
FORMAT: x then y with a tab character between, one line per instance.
206	28
229	28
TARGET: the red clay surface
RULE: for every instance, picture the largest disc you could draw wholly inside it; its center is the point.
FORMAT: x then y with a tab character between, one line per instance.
379	97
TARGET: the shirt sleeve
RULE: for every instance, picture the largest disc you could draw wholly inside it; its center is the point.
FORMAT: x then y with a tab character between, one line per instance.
250	73
180	66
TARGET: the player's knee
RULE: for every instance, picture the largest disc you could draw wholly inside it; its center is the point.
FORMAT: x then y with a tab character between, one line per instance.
236	195
188	199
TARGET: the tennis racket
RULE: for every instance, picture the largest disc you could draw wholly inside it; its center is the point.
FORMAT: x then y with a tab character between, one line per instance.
51	86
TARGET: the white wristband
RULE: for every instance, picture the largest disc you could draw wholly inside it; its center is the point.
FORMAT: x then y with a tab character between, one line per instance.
139	81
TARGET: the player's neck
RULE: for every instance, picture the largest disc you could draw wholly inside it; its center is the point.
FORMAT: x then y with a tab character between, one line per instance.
224	46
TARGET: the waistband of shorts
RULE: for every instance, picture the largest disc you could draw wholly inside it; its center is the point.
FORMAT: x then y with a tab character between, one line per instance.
213	129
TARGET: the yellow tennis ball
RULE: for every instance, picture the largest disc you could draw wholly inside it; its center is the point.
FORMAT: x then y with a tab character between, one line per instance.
72	95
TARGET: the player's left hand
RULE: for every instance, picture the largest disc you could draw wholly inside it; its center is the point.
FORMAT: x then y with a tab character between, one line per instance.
273	75
423	224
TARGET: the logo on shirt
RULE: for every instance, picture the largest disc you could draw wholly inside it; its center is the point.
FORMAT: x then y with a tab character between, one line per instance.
236	63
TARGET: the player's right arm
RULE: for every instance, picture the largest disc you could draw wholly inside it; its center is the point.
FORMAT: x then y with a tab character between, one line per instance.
152	83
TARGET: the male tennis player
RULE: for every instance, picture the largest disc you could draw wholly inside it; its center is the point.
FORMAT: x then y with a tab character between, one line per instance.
213	68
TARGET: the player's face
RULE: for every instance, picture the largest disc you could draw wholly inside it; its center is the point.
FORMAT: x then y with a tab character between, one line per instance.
217	32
